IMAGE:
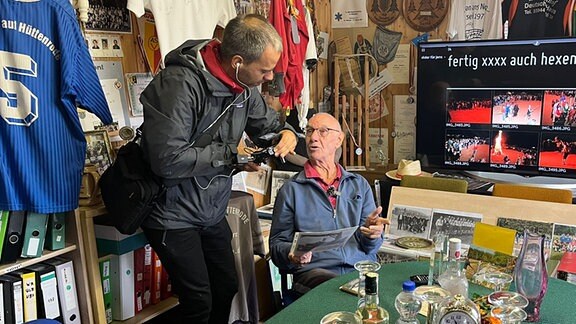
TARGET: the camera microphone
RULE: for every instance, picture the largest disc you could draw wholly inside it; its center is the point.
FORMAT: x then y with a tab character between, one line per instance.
332	192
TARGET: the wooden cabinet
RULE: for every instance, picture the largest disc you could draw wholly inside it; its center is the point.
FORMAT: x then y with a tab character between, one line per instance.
94	290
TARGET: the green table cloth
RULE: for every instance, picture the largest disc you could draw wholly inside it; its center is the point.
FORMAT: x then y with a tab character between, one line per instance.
558	307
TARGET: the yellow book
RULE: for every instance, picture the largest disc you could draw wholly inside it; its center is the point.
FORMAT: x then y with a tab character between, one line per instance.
495	238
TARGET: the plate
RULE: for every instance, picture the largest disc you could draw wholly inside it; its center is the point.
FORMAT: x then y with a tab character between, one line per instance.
413	242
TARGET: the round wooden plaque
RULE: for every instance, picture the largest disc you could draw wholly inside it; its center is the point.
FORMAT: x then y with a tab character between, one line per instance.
383	12
424	15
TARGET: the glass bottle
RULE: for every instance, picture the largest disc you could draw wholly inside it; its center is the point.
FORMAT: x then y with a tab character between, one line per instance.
530	275
363	268
408	304
371	312
454	278
437	258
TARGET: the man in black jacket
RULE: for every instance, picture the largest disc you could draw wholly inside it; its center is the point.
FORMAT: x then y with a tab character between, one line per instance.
195	112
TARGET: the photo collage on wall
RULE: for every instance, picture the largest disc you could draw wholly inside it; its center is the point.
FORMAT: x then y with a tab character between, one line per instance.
527	129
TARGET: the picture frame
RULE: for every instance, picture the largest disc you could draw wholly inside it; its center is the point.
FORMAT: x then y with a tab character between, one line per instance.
109	16
98	150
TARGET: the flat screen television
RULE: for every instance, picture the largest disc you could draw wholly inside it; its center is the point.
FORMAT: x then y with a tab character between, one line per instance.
499	109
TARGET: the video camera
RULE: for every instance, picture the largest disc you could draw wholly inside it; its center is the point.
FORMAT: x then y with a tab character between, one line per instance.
257	157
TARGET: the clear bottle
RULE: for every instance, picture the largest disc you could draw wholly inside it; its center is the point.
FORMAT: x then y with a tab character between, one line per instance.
454	278
408	304
437	258
371	312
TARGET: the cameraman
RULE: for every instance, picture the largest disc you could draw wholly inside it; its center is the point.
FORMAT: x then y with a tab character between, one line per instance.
195	111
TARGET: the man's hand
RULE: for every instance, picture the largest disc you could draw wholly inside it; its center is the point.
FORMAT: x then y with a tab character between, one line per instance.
287	144
300	260
374	225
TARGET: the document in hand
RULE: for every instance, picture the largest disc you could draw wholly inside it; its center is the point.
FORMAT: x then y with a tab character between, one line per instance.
320	241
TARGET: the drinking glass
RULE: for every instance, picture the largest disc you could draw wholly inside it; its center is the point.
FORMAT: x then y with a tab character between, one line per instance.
364	267
508	314
341	318
499	279
507	298
432	295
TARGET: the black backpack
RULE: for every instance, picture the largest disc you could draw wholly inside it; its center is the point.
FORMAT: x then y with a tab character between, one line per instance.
129	188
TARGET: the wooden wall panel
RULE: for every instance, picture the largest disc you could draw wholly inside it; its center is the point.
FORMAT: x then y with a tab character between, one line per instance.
324	14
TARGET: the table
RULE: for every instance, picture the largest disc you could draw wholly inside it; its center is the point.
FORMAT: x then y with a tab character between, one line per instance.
558	307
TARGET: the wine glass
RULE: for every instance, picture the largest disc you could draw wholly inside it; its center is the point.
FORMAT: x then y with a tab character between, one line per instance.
508	314
498	278
507	298
433	295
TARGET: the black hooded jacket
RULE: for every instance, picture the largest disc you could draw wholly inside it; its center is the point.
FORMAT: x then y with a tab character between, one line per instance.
180	103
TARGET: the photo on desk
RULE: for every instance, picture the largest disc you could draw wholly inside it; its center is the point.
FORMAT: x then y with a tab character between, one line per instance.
454	224
563	240
410	221
540	228
482	261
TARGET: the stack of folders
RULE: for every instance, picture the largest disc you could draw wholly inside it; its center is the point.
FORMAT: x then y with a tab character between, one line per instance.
132	275
26	234
40	291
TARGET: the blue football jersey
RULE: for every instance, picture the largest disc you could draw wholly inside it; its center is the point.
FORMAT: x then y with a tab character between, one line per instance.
46	72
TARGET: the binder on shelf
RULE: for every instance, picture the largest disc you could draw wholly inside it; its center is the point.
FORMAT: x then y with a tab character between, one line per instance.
66	289
56	232
2	315
46	291
13	241
165	285
12	298
104	265
34	235
139	279
3	226
156	288
29	291
148	269
122	274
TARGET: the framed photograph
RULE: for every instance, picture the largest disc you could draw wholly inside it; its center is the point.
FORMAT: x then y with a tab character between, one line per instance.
98	150
110	16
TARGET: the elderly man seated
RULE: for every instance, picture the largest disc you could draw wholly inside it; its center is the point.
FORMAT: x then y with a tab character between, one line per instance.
324	197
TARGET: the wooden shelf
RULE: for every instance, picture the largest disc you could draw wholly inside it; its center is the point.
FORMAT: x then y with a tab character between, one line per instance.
86	220
151	311
93	211
47	254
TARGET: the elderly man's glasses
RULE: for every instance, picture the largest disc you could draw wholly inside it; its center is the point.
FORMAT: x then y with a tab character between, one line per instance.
323	131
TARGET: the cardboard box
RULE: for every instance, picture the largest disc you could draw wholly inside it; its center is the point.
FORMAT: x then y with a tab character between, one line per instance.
110	241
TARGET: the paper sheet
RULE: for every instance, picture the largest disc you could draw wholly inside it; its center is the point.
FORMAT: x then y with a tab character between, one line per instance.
404	128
